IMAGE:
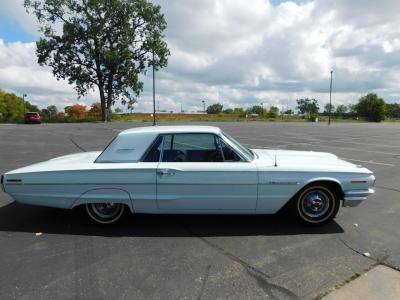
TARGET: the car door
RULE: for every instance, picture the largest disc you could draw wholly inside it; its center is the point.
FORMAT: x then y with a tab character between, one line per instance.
193	175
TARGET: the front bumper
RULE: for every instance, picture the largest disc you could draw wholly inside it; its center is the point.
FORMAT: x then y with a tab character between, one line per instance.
355	197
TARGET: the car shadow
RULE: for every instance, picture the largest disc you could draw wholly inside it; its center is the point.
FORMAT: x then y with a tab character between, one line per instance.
16	217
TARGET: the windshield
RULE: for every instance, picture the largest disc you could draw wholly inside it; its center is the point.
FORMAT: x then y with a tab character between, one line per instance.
246	152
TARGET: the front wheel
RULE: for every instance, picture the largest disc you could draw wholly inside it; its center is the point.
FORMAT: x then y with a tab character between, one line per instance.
317	204
105	213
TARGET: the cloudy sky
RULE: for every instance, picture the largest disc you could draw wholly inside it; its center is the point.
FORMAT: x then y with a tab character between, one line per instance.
239	53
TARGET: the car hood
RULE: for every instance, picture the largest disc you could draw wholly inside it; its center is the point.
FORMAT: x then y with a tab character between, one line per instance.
66	162
306	161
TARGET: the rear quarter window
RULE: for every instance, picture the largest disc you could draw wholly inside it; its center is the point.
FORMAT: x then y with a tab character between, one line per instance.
126	148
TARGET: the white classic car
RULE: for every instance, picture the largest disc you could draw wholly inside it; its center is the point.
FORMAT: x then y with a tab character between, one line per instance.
191	170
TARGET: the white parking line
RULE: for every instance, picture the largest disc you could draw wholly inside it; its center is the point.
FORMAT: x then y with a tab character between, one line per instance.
354	149
345	158
257	146
317	144
369	162
368	144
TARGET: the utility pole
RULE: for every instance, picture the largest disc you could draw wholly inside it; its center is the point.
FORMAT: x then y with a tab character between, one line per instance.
23	101
154	94
330	101
204	106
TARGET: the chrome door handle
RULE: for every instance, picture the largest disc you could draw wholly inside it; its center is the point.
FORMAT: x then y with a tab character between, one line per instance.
165	172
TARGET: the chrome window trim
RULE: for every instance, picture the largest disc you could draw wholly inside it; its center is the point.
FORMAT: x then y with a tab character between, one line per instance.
235	149
220	136
108	145
151	146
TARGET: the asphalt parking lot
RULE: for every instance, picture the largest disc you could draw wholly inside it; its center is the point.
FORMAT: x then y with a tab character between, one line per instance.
49	253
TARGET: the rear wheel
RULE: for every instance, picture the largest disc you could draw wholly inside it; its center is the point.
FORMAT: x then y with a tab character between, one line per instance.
105	213
317	204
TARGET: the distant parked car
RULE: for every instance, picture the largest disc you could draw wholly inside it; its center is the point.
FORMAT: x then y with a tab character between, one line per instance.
32	117
191	170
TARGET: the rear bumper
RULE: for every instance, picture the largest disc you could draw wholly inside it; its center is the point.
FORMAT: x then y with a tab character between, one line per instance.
355	197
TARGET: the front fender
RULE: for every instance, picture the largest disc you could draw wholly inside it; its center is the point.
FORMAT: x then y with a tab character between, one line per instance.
104	195
319	179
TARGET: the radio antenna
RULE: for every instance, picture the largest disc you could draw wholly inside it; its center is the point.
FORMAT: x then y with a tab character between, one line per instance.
276	163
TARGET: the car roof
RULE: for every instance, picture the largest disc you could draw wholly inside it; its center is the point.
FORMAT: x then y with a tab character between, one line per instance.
173	129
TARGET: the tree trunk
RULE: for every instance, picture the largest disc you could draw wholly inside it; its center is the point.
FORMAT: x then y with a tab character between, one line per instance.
108	114
103	104
109	96
109	103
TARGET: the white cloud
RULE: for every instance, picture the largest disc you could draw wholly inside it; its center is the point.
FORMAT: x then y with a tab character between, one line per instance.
241	54
20	73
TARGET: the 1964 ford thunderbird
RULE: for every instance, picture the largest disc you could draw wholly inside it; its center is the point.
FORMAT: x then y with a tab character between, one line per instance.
191	170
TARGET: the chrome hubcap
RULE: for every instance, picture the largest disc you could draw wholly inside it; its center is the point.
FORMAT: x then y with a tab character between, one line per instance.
315	204
105	210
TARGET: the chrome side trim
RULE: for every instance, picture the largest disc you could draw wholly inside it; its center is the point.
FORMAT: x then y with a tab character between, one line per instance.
282	182
355	197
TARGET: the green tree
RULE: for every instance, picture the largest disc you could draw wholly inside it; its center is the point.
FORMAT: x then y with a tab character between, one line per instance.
31	107
44	113
289	112
393	110
68	110
49	112
308	106
326	108
371	107
273	112
95	108
104	43
257	109
214	108
228	111
239	111
130	104
341	110
351	110
52	109
11	107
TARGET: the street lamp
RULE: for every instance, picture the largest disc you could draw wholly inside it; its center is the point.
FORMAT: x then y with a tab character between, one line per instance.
204	106
154	94
23	101
330	101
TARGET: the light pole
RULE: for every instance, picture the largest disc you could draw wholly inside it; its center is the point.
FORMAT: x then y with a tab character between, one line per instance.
23	101
154	94
330	101
204	106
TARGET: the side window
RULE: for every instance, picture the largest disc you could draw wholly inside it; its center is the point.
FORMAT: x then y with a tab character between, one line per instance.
153	154
195	147
228	153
